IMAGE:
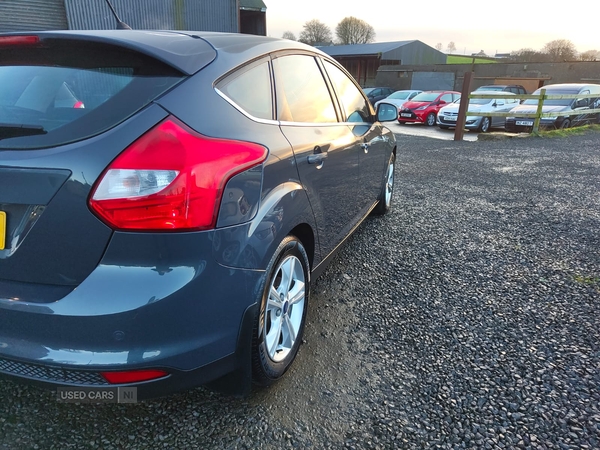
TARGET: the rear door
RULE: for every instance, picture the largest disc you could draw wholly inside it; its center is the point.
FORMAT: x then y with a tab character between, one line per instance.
63	104
371	137
325	150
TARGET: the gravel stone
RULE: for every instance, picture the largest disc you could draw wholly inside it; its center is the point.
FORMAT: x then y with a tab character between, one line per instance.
468	317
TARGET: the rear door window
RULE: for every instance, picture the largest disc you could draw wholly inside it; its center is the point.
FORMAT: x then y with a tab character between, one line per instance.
68	90
302	95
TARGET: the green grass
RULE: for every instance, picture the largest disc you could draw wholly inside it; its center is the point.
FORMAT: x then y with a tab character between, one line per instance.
455	59
569	131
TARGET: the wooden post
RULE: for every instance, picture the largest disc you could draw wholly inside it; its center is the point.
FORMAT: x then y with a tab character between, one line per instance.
459	131
538	113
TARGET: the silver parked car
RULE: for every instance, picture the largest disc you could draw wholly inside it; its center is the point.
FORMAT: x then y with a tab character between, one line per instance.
448	115
398	98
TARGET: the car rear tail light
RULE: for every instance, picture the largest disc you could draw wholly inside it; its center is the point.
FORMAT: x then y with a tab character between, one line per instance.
171	178
133	376
6	41
79	105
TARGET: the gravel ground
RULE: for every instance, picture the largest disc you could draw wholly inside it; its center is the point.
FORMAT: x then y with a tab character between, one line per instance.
466	318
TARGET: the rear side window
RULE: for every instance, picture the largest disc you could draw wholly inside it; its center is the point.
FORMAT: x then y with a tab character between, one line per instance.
250	89
64	90
302	95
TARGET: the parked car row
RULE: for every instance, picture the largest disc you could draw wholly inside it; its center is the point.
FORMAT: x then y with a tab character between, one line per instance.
441	107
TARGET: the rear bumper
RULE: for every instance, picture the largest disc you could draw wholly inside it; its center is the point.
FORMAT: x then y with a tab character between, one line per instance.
154	302
517	125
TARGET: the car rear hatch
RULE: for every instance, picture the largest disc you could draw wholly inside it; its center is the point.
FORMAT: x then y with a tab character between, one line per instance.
69	104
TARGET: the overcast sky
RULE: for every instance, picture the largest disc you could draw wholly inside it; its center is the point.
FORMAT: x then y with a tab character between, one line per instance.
483	25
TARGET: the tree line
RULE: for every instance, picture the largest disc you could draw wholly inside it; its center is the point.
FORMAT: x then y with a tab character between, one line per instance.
350	30
559	50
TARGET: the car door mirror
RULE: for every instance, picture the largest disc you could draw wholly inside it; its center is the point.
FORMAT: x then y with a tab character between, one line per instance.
581	103
386	112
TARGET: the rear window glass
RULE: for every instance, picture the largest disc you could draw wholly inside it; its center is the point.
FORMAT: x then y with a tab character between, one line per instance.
45	103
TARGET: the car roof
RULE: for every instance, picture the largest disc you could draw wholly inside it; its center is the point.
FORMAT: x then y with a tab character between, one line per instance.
484	92
186	51
569	86
498	86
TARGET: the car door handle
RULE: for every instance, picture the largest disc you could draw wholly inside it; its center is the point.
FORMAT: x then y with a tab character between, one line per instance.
318	156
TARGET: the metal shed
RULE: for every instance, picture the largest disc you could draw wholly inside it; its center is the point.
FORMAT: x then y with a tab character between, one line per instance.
209	15
363	60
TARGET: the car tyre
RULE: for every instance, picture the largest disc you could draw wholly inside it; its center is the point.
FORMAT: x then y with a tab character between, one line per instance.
279	325
484	126
385	197
565	124
430	120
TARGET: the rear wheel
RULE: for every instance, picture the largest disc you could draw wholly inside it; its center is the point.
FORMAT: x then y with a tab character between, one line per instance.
430	120
279	325
484	126
385	197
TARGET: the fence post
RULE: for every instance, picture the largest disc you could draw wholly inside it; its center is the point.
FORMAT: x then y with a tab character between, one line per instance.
459	131
538	113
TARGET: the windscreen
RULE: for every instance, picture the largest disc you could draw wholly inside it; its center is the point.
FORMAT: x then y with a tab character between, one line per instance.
426	97
400	95
59	92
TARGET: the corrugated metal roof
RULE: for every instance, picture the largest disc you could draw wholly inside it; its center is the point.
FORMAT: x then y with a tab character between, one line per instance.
254	5
363	49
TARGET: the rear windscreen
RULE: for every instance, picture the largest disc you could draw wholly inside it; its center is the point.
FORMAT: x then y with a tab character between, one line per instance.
64	91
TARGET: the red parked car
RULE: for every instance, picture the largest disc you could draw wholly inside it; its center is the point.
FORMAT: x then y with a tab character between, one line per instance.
424	107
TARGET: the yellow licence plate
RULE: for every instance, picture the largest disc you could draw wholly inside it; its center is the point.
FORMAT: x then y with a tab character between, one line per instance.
2	229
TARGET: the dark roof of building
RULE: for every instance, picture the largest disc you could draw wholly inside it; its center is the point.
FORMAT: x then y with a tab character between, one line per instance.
253	5
363	49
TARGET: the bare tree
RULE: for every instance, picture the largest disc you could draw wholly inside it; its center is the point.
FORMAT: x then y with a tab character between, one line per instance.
451	48
438	46
289	35
529	55
315	32
590	55
354	31
560	50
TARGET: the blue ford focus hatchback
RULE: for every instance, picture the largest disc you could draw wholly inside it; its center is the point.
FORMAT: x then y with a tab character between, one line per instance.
166	199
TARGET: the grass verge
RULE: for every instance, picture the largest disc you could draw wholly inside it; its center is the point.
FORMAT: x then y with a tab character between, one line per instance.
568	131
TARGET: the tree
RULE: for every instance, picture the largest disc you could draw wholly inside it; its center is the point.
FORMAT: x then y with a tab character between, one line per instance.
560	50
590	55
529	55
438	46
354	31
289	35
315	32
451	47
